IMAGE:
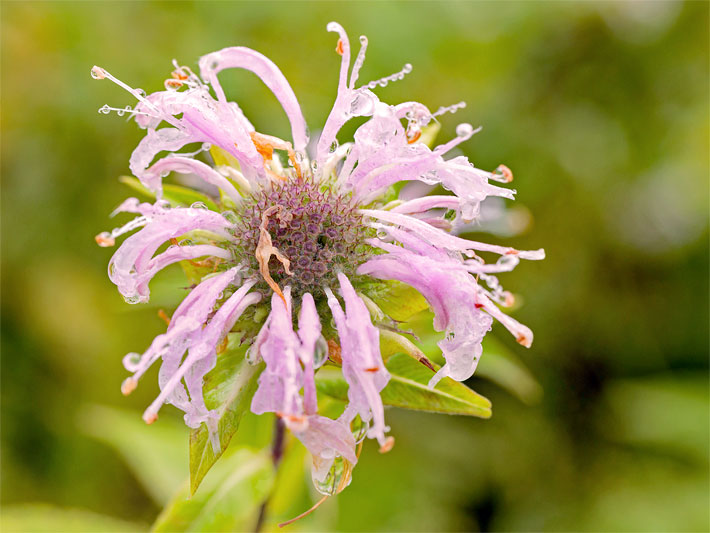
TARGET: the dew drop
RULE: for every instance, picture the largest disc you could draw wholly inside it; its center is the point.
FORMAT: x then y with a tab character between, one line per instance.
98	73
231	217
199	205
464	130
131	360
407	68
104	109
359	429
335	479
252	356
132	299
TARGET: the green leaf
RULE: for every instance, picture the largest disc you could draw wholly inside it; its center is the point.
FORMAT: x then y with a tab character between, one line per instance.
155	454
397	300
229	500
177	195
228	388
408	389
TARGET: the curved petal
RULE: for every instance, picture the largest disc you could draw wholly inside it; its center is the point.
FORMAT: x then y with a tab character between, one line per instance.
187	320
152	178
240	57
129	266
280	383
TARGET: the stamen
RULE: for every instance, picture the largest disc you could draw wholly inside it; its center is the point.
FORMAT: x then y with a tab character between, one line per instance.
359	60
388	445
449	109
163	316
106	239
502	173
303	515
129	385
265	249
99	73
106	109
382	82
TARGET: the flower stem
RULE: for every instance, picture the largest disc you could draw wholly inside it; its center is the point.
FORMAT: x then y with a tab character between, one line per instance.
277	449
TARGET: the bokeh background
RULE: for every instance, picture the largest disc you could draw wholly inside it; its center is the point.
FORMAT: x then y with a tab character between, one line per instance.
600	109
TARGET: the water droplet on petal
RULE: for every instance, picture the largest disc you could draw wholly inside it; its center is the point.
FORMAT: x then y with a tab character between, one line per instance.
132	299
199	205
359	429
335	479
252	356
320	355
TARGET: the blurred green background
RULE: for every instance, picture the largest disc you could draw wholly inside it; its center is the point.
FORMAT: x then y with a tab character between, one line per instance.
600	109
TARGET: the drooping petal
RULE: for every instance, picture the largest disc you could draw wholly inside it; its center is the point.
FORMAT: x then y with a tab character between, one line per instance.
363	368
201	358
281	381
452	294
240	57
186	322
130	267
204	120
309	328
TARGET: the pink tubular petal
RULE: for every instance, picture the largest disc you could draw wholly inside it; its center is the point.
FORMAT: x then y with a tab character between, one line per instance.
419	205
245	58
187	321
280	383
348	103
309	329
186	165
131	260
200	359
172	255
452	295
203	120
363	368
439	238
326	438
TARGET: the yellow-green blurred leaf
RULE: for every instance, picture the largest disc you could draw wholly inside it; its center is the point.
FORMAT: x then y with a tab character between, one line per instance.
156	454
45	518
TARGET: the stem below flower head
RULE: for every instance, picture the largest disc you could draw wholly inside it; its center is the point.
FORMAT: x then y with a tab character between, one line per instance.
277	449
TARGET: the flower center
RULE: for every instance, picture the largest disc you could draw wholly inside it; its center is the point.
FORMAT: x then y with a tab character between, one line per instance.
317	230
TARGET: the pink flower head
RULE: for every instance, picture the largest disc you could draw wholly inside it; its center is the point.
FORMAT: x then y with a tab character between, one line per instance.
299	237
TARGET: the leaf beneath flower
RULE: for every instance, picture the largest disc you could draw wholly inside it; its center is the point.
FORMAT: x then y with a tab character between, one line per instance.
397	300
228	388
408	389
229	500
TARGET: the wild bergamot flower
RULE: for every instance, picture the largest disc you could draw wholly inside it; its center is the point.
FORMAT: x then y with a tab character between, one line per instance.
295	232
